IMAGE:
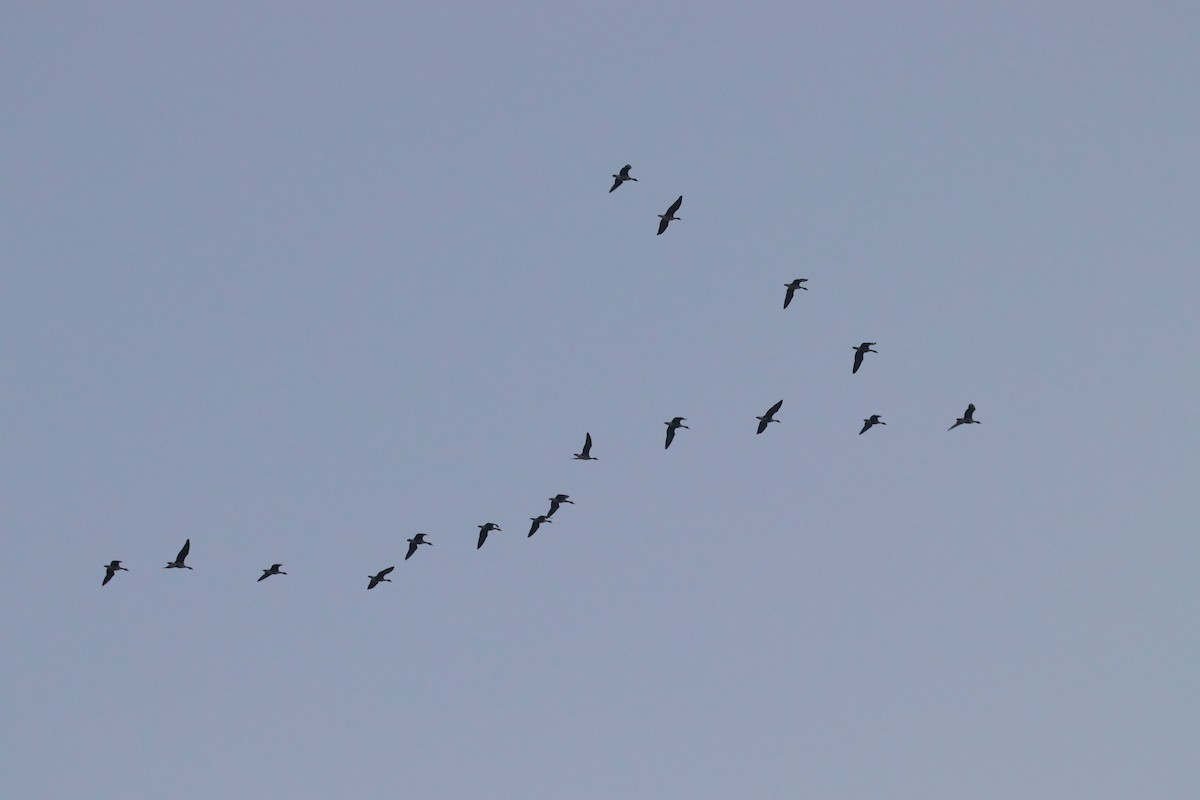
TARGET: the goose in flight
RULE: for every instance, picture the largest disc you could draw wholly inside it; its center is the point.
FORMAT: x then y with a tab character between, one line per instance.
484	530
968	418
673	426
556	501
586	453
110	570
414	543
791	290
183	553
869	421
769	417
537	523
380	577
274	570
669	217
621	177
859	352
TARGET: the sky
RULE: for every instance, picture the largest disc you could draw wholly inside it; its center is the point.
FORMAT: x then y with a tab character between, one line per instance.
299	280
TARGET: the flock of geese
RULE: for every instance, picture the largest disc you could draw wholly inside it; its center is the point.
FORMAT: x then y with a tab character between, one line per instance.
585	454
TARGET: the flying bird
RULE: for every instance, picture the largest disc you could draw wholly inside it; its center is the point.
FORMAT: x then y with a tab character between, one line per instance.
537	523
380	577
586	453
556	501
769	417
484	530
968	418
673	426
274	570
621	177
869	421
183	552
110	570
414	543
859	352
791	290
668	217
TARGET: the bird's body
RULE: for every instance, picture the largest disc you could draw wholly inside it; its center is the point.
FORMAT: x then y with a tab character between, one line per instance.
968	418
621	177
859	352
672	426
179	559
769	417
669	217
586	453
791	290
274	570
537	523
111	569
414	543
869	421
484	530
379	577
556	501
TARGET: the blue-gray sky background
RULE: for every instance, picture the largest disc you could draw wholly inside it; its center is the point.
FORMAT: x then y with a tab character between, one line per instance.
298	281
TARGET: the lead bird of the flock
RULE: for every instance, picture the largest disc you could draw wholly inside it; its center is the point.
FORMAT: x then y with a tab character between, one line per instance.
669	217
414	543
183	553
869	421
672	426
791	290
968	418
586	453
110	570
556	501
537	523
769	417
484	530
274	570
621	177
859	352
379	577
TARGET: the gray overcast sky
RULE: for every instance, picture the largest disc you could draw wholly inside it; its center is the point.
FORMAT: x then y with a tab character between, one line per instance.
299	280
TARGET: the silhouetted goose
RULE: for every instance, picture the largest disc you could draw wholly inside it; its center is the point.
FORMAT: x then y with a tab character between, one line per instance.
484	530
859	352
621	177
869	421
556	501
274	570
769	417
380	577
586	453
414	543
968	418
183	552
791	290
110	570
673	426
669	217
537	523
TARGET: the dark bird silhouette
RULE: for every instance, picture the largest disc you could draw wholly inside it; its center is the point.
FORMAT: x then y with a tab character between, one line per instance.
791	290
556	501
110	570
414	543
274	570
869	421
380	577
673	426
859	352
669	217
586	453
769	417
537	523
183	553
484	530
968	418
621	177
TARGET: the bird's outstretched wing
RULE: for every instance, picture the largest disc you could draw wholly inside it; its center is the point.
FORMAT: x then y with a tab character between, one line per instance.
866	427
791	292
183	552
412	548
616	184
858	358
675	206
